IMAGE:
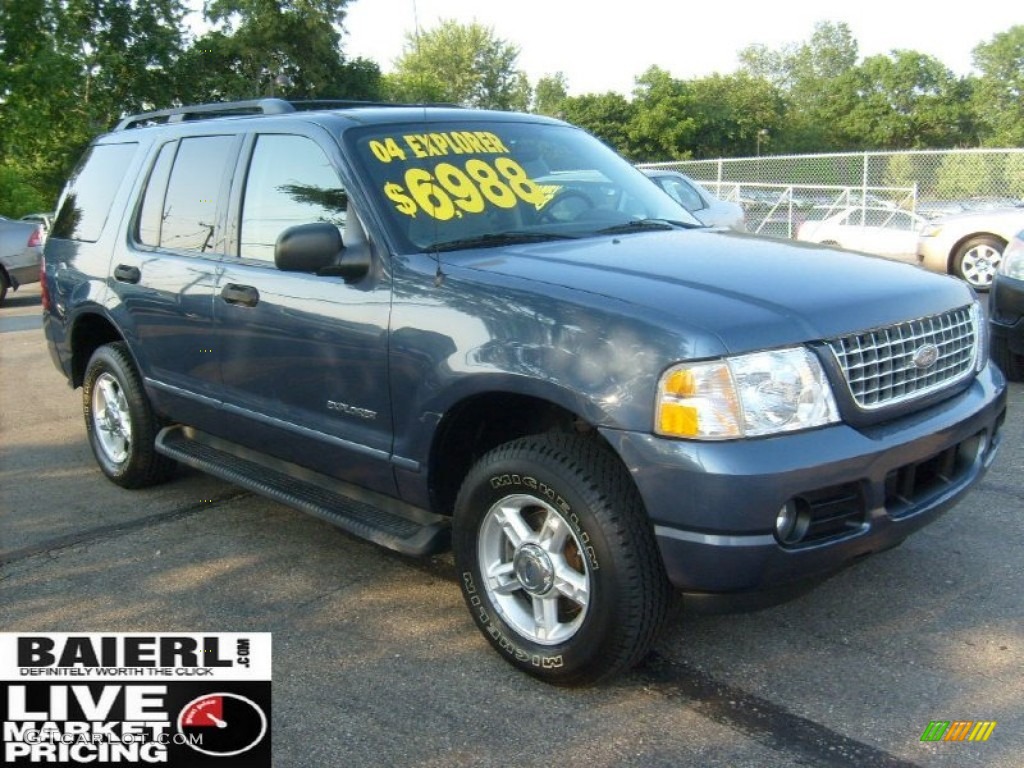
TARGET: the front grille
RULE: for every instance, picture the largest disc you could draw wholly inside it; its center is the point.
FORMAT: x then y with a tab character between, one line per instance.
883	367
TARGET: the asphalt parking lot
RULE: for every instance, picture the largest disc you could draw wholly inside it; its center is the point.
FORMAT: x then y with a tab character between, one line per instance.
377	663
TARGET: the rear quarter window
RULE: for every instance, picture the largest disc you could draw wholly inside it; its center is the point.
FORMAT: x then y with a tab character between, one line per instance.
91	190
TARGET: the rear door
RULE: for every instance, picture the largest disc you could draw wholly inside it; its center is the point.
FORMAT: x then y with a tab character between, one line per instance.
166	273
303	358
892	234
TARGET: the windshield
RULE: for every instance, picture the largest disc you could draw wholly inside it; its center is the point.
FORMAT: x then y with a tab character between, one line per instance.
471	184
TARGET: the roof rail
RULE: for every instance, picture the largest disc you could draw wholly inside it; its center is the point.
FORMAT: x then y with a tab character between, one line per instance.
223	109
345	103
251	107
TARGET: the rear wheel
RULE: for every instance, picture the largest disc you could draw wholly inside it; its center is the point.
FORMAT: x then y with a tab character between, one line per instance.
120	422
977	260
557	561
4	285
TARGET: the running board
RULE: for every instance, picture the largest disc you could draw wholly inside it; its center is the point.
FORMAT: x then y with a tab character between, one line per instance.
381	519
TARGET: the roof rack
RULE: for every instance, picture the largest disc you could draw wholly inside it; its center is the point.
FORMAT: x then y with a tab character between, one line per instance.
252	107
200	111
345	103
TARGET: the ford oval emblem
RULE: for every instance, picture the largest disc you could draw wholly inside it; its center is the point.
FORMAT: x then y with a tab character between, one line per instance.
925	356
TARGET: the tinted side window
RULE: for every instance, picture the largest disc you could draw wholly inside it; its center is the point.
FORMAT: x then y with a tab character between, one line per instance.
889	219
684	194
151	215
290	182
855	218
90	191
191	205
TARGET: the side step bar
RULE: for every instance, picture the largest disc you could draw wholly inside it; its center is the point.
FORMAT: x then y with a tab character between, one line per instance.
381	519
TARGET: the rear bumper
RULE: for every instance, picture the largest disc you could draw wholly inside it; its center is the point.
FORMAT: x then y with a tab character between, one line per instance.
714	505
23	274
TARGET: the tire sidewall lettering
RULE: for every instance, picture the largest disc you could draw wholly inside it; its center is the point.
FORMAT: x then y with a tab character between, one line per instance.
545	492
505	643
570	477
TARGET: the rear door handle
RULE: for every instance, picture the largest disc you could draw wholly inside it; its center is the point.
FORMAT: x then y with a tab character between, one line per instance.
245	295
125	274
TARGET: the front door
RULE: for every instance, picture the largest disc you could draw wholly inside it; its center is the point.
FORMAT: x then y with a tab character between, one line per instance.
303	358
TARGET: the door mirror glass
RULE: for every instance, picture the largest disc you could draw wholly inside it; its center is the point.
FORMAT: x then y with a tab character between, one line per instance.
308	248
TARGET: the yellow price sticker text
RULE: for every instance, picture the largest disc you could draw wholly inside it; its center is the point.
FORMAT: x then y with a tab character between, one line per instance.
450	190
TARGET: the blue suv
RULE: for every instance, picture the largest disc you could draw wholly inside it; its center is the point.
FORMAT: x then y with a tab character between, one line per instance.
439	327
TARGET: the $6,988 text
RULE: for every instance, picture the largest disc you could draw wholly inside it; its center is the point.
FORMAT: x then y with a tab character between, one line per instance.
450	191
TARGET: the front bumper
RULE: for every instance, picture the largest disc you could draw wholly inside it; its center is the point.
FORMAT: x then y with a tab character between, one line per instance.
714	504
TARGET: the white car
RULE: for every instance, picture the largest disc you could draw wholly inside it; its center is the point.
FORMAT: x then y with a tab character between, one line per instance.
969	245
710	210
889	232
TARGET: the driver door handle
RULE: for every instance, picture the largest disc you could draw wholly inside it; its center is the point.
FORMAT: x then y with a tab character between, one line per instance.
244	295
126	274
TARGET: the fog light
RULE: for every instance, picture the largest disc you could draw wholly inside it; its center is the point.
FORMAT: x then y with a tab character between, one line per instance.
792	521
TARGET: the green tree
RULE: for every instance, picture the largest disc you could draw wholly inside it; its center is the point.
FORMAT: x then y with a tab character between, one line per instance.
549	94
814	78
999	95
664	123
907	100
605	115
462	64
970	175
1013	174
274	48
68	70
730	112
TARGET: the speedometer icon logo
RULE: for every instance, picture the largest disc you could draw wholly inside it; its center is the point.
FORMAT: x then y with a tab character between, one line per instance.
222	724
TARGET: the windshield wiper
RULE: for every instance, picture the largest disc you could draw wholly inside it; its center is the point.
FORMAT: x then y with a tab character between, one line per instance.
642	225
495	239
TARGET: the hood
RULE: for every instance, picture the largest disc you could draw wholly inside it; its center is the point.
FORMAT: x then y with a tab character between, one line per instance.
1006	222
749	292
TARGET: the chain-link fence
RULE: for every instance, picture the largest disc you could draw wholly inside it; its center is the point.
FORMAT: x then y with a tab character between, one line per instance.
780	192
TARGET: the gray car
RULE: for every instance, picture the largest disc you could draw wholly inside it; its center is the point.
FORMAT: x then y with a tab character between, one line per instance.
709	209
969	245
21	249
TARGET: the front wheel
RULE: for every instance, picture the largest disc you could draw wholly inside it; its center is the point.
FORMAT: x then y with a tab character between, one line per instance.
557	561
977	260
120	422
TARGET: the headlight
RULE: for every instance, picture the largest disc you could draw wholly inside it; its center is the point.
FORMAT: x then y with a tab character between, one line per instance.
745	396
981	330
932	230
1012	264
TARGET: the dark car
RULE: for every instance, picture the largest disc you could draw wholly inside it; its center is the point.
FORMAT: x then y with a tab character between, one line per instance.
1006	310
21	250
439	327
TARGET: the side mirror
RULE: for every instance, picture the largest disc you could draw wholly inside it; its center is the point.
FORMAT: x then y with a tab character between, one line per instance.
308	248
318	248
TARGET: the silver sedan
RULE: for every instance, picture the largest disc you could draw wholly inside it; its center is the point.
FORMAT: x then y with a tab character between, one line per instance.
969	245
708	209
21	249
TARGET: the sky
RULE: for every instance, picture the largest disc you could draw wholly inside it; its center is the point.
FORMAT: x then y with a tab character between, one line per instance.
605	47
